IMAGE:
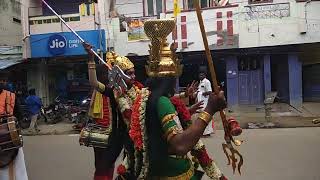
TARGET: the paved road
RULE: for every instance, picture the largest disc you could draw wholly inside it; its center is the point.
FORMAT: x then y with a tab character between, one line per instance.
278	154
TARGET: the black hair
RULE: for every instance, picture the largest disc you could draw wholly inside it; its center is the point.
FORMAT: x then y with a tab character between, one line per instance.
32	92
203	71
157	146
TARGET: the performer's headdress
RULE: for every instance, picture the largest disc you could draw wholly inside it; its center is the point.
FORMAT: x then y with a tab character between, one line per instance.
123	62
163	61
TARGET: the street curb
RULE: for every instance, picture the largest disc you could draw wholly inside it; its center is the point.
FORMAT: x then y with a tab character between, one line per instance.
55	132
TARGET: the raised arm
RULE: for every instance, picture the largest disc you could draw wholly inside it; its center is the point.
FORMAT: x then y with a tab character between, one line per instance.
92	70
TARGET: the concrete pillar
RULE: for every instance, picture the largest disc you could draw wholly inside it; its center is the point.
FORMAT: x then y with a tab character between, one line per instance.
266	74
37	77
295	80
232	81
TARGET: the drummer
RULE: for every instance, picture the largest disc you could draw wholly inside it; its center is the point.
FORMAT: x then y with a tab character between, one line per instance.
12	164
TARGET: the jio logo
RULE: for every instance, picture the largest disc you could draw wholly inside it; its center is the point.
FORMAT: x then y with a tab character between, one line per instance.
57	44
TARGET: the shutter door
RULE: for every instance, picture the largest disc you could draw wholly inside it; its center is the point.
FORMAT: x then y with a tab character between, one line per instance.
311	82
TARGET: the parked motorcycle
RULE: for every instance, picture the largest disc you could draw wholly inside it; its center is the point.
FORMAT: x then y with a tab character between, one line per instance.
80	117
56	111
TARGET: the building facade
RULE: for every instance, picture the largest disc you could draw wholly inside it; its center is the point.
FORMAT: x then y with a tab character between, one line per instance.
261	46
11	45
56	57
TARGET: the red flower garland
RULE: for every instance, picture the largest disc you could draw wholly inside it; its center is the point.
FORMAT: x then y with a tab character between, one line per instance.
138	84
135	129
181	108
121	170
202	156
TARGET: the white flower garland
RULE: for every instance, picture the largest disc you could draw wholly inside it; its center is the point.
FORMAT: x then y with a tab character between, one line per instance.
145	164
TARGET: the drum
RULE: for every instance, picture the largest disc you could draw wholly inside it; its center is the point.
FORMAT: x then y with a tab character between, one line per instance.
94	135
10	137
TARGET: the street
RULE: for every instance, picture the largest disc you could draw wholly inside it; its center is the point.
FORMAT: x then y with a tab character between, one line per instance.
279	154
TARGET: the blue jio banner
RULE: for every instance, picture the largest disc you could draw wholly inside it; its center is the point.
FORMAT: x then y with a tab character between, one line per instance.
65	43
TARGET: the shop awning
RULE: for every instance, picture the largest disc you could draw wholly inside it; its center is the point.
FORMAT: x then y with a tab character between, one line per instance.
9	61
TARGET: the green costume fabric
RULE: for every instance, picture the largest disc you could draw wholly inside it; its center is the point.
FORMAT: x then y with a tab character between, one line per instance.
176	166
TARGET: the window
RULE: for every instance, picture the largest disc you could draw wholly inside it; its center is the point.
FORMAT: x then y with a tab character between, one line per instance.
259	1
66	19
16	20
159	6
31	22
155	7
150	8
46	21
204	3
75	18
190	4
248	63
56	20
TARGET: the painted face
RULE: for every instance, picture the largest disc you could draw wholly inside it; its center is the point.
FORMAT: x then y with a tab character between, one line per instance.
131	74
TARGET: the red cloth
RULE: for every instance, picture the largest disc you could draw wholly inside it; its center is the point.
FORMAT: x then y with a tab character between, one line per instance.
105	121
108	175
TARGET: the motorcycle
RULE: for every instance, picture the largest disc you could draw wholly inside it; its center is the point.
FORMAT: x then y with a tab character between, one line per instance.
56	111
80	117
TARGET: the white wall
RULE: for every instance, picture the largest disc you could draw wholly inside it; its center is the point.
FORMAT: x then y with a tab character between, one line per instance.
10	31
85	23
29	8
280	31
132	8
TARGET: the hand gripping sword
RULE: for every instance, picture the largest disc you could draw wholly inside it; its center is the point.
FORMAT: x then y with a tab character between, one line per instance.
115	74
228	148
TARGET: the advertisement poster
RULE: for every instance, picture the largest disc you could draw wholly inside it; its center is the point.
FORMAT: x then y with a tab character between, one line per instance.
135	29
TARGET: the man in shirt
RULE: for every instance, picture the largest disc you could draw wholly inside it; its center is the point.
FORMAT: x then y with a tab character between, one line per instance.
34	106
204	90
12	165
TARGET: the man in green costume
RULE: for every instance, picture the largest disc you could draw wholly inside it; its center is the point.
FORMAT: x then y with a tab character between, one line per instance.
161	133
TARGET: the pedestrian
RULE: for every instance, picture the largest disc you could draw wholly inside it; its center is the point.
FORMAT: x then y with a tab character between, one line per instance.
204	90
12	164
34	105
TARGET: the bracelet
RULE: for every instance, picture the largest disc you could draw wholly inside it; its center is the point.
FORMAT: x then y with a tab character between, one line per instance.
91	66
205	116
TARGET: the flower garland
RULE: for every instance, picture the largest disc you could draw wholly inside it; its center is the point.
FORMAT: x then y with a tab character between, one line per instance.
207	164
181	108
135	129
199	151
137	132
121	170
145	93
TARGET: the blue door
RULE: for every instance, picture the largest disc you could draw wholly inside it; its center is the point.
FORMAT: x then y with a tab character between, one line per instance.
250	87
256	88
244	90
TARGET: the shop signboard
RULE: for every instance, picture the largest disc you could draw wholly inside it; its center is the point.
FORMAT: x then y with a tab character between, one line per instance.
65	43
